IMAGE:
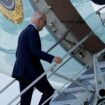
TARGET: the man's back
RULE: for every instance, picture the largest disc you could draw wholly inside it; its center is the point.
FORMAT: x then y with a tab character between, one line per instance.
24	56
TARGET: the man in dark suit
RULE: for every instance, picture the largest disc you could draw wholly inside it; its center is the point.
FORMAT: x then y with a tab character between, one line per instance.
28	55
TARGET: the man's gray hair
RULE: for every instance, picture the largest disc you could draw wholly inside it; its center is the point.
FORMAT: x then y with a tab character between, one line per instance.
37	15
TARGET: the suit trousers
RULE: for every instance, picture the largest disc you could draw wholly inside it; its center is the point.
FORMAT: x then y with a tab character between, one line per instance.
43	86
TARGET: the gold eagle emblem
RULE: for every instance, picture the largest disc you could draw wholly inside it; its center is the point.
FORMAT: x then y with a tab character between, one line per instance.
12	9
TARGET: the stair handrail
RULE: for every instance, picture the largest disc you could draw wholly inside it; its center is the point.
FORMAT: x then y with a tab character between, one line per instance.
100	9
61	89
74	77
9	84
55	71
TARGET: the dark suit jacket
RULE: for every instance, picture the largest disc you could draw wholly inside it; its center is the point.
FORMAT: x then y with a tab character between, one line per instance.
100	2
28	55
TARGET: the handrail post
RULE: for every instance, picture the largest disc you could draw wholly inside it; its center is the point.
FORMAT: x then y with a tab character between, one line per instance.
98	12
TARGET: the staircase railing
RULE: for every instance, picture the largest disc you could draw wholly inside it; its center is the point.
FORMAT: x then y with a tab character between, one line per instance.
74	77
52	74
61	89
98	12
7	86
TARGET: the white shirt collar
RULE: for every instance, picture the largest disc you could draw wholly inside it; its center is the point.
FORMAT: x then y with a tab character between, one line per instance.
34	26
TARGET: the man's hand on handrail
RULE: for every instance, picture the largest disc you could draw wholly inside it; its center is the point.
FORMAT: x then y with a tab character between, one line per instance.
57	60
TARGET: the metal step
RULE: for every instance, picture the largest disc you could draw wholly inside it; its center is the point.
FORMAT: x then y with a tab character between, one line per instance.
74	92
